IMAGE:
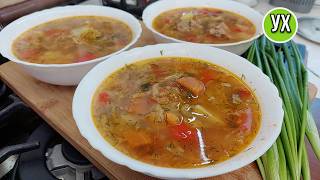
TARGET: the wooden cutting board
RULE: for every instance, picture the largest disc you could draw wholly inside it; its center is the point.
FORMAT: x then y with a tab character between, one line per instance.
5	3
53	104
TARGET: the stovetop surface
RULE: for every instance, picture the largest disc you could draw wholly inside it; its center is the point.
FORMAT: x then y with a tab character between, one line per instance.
58	159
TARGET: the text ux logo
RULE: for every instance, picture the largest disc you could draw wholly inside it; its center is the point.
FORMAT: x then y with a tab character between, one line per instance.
280	25
277	18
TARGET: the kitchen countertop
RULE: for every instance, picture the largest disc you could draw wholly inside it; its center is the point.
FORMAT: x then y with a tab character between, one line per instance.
312	48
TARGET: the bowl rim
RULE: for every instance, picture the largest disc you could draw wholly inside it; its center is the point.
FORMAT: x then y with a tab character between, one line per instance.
164	172
257	34
136	33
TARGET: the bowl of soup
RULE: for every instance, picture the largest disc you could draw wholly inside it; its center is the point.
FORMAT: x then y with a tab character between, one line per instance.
227	25
176	111
60	45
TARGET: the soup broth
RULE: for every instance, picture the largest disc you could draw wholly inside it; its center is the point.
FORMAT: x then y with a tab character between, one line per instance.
72	40
204	25
176	112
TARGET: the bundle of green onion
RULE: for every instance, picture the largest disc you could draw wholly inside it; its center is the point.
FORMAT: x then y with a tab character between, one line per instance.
287	158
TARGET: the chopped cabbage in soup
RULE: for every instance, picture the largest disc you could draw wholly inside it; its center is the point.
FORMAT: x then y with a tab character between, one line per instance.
204	25
72	40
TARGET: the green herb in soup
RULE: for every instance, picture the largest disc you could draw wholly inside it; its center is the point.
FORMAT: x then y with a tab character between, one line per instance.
204	25
176	112
72	40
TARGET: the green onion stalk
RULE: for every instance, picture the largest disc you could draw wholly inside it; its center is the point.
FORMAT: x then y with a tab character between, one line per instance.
287	158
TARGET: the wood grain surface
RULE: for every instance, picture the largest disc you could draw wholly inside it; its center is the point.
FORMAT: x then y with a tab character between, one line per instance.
5	3
53	104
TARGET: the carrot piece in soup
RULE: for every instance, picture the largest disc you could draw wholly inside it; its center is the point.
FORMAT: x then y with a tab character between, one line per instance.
207	75
167	20
29	54
137	139
172	118
210	11
244	93
157	71
184	133
141	105
192	84
191	37
244	120
103	97
54	32
241	118
236	29
122	42
86	57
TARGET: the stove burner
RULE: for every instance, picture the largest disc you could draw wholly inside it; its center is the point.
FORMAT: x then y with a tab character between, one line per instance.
62	168
72	155
17	120
55	159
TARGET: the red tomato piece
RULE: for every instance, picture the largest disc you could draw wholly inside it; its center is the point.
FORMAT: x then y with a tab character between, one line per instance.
104	97
86	57
184	133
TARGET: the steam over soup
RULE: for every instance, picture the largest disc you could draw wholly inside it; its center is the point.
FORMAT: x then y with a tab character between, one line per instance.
204	25
72	40
176	112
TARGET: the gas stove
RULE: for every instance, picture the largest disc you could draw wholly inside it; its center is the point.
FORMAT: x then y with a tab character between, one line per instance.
66	163
32	150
